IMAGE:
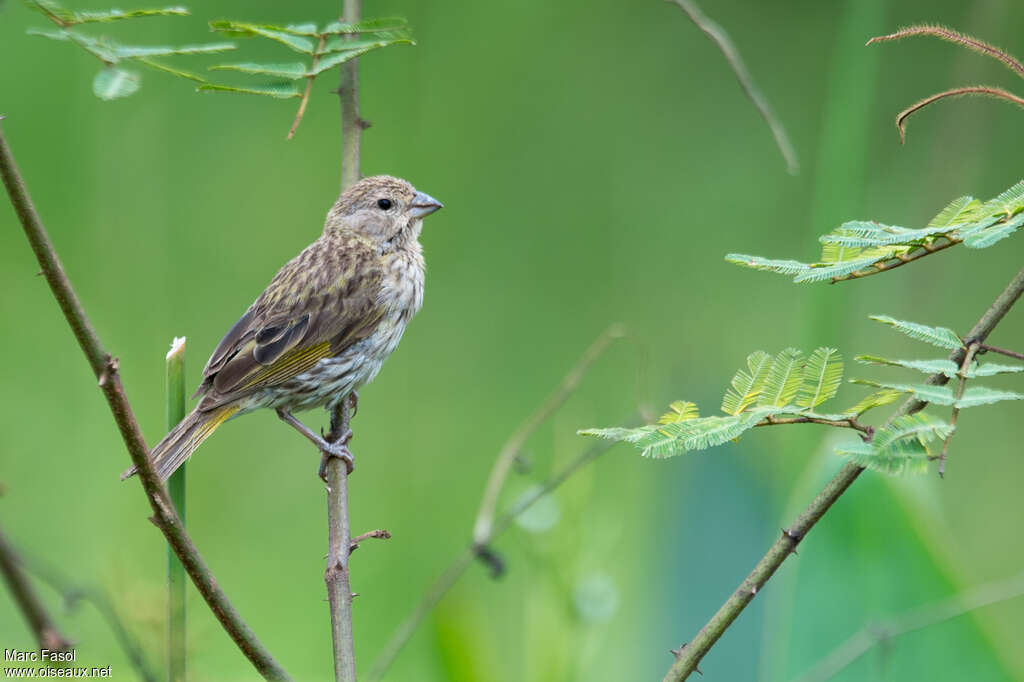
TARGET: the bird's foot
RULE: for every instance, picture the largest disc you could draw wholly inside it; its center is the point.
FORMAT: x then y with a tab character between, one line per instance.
338	449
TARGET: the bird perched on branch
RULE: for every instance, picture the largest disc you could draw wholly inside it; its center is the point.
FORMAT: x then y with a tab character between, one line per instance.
323	326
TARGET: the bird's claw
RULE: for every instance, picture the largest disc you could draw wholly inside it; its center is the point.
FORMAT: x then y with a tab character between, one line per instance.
337	449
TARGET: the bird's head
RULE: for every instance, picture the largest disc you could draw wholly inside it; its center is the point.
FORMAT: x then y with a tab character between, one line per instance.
388	210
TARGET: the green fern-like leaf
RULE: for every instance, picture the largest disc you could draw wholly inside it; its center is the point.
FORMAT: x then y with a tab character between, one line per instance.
991	369
291	71
939	395
945	367
783	267
822	272
1009	202
860	234
746	385
679	411
297	41
960	211
822	374
783	381
937	336
984	238
277	90
980	395
921	425
876	399
900	457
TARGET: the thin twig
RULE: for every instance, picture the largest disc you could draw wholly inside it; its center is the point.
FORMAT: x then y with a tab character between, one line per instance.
983	90
339	590
897	261
105	369
72	594
847	423
1002	351
690	655
309	88
962	374
47	635
732	55
379	534
952	36
915	619
403	633
513	446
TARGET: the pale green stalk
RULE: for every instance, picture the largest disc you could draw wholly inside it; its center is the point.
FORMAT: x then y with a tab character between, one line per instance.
176	488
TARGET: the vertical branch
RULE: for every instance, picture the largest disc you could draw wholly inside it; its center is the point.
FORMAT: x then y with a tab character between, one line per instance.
339	590
46	633
348	91
176	489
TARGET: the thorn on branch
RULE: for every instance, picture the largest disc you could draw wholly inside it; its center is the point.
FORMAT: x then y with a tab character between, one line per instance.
492	559
110	367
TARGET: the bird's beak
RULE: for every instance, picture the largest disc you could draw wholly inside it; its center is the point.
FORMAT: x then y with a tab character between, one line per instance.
423	205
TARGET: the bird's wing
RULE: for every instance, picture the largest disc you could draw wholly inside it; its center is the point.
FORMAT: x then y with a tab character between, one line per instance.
319	304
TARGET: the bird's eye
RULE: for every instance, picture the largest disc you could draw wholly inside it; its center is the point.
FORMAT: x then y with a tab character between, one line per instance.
384	204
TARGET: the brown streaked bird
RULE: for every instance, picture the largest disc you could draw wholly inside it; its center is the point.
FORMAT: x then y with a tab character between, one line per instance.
323	326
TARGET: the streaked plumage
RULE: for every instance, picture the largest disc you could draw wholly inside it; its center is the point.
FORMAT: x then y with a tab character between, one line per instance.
325	323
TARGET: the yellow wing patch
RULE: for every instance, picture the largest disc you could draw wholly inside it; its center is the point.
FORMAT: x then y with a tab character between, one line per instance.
291	364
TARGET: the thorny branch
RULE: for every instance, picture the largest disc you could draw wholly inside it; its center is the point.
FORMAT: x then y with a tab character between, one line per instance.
688	657
105	368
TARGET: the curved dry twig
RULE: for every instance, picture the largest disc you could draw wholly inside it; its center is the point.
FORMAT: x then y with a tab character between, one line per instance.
105	368
718	35
952	36
982	90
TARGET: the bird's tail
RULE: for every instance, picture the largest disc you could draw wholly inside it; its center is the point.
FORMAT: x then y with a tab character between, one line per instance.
176	447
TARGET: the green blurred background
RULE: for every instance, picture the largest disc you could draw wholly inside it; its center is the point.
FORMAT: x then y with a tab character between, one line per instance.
596	161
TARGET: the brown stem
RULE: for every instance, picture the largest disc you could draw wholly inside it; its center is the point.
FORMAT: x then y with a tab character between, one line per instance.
690	655
379	534
847	423
952	36
25	596
348	92
339	590
105	369
983	90
309	88
964	366
1002	351
897	261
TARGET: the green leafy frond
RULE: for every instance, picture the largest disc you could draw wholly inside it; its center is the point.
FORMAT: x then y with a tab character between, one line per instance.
136	51
921	425
960	211
367	26
939	395
988	369
876	399
292	71
747	385
980	395
861	234
984	238
66	17
937	336
945	367
783	381
160	66
679	411
821	272
357	50
277	90
97	48
822	374
899	457
284	35
1009	202
114	82
783	267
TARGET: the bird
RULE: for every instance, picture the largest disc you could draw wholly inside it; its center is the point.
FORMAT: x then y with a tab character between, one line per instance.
323	326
